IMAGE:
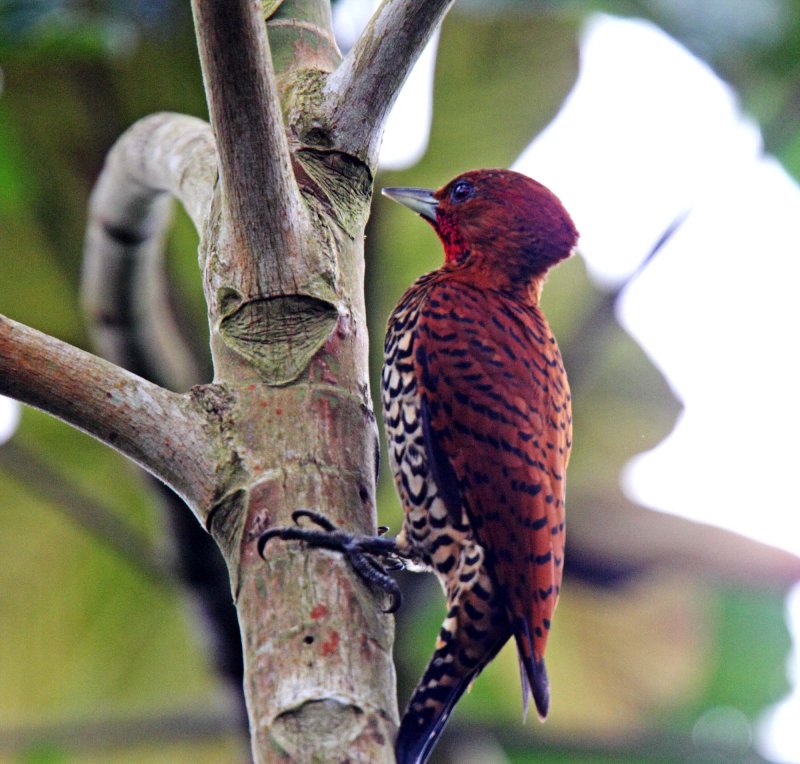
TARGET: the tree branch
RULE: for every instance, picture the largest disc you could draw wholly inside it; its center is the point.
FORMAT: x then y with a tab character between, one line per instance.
124	287
193	558
301	36
29	469
361	92
164	152
128	307
103	734
256	174
163	432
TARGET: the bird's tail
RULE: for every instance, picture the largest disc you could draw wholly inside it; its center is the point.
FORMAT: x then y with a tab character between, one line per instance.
533	677
447	676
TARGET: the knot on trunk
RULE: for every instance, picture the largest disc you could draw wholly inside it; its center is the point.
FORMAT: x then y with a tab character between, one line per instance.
280	335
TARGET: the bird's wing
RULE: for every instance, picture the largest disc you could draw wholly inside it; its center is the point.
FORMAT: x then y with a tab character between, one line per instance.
495	407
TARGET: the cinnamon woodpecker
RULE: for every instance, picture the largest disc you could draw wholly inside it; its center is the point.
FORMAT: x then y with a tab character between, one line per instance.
478	420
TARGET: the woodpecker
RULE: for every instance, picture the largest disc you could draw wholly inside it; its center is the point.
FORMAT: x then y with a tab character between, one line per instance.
478	420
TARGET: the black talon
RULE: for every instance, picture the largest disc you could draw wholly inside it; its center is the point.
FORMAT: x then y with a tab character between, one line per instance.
359	550
315	517
264	539
372	572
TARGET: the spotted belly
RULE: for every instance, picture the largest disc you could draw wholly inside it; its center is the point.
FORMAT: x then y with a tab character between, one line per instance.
436	539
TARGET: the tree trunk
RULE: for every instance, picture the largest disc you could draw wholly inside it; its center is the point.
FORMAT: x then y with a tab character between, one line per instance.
280	189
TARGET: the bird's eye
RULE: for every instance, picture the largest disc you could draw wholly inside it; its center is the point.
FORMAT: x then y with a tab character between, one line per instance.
461	191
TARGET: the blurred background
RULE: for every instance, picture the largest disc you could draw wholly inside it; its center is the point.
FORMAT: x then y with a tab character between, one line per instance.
670	130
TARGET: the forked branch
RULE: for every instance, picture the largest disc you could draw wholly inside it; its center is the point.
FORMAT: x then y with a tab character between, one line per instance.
361	92
290	422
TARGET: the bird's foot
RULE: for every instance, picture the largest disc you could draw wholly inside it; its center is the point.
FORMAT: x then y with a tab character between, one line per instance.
360	551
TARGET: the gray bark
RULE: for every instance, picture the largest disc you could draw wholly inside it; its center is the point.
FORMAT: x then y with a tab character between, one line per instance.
280	195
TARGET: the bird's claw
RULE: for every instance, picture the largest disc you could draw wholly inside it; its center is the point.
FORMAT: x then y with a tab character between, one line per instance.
360	551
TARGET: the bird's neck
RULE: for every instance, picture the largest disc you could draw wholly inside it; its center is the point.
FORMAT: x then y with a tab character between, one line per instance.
481	275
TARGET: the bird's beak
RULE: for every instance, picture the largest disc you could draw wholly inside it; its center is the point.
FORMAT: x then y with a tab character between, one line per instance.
421	200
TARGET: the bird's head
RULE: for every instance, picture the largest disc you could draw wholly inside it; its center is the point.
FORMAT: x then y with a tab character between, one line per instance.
499	224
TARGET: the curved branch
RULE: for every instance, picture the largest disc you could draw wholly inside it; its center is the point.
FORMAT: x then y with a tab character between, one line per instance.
163	432
124	286
361	92
129	312
164	152
256	175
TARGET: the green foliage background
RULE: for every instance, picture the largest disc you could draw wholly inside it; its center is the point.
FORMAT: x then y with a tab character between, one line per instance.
92	643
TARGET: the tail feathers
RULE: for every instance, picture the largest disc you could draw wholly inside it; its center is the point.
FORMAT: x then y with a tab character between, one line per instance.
445	680
425	718
526	690
533	677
